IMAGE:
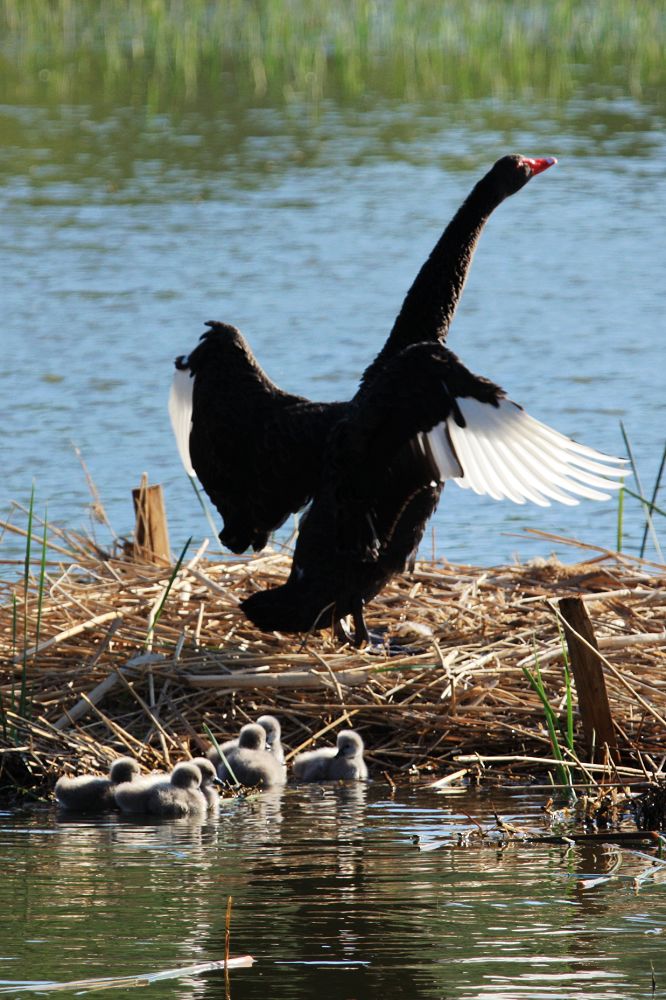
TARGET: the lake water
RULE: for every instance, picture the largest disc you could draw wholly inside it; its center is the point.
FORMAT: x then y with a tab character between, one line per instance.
159	173
333	899
130	220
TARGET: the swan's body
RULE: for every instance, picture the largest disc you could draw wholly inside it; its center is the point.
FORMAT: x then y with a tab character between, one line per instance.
132	796
344	762
261	453
423	420
181	796
273	731
252	765
209	780
89	793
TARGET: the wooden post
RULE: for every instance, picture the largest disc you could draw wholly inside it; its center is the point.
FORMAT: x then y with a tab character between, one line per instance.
151	534
589	679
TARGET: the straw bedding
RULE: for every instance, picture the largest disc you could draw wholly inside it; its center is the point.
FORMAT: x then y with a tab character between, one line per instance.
113	660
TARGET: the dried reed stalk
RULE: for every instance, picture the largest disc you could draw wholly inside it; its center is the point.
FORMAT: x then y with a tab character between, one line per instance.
457	689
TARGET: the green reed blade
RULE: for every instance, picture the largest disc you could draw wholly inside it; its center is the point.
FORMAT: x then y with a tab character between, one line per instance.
655	491
536	682
14	627
620	518
638	496
26	586
207	513
223	756
646	506
167	591
42	580
568	687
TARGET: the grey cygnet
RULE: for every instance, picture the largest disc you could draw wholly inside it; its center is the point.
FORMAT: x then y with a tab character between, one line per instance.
181	796
209	779
273	731
344	762
132	796
251	763
89	793
214	757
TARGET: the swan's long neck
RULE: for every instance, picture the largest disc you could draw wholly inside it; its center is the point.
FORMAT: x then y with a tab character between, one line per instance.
431	302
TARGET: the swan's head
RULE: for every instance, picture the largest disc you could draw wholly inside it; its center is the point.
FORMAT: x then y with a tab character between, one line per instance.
349	743
252	737
271	727
186	775
512	172
207	770
124	769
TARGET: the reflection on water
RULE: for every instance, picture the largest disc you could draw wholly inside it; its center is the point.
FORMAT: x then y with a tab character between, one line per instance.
151	182
332	897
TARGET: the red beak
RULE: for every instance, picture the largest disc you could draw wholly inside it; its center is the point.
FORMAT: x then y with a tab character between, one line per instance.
537	166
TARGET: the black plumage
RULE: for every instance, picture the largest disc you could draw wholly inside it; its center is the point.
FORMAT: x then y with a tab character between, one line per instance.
423	419
255	448
380	489
258	451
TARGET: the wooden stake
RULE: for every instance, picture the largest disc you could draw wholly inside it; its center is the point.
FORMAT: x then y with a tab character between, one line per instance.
151	534
589	679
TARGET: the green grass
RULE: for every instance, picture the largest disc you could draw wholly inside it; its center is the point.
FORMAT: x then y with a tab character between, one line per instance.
20	705
649	506
167	590
552	721
169	51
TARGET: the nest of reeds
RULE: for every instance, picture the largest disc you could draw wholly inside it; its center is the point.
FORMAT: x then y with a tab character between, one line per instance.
104	655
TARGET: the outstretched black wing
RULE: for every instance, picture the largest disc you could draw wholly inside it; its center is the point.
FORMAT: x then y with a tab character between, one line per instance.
256	449
426	419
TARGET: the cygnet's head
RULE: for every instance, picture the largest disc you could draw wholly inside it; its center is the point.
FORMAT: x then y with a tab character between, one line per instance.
124	769
349	743
186	775
272	728
252	737
207	770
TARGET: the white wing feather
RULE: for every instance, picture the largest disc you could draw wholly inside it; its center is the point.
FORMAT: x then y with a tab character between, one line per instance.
180	411
507	454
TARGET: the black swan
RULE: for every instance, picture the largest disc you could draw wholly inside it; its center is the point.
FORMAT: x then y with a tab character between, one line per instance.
251	763
424	418
256	449
89	793
343	762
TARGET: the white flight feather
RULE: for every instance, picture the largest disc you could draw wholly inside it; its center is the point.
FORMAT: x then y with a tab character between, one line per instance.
507	454
547	458
180	411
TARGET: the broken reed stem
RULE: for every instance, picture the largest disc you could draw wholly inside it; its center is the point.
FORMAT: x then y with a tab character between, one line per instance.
227	931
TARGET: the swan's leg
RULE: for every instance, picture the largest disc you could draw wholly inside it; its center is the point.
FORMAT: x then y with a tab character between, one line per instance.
341	632
361	633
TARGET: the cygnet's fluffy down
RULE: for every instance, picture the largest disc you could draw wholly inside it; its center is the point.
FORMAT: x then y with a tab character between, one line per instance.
182	796
251	763
213	756
132	796
344	762
209	779
273	731
89	793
